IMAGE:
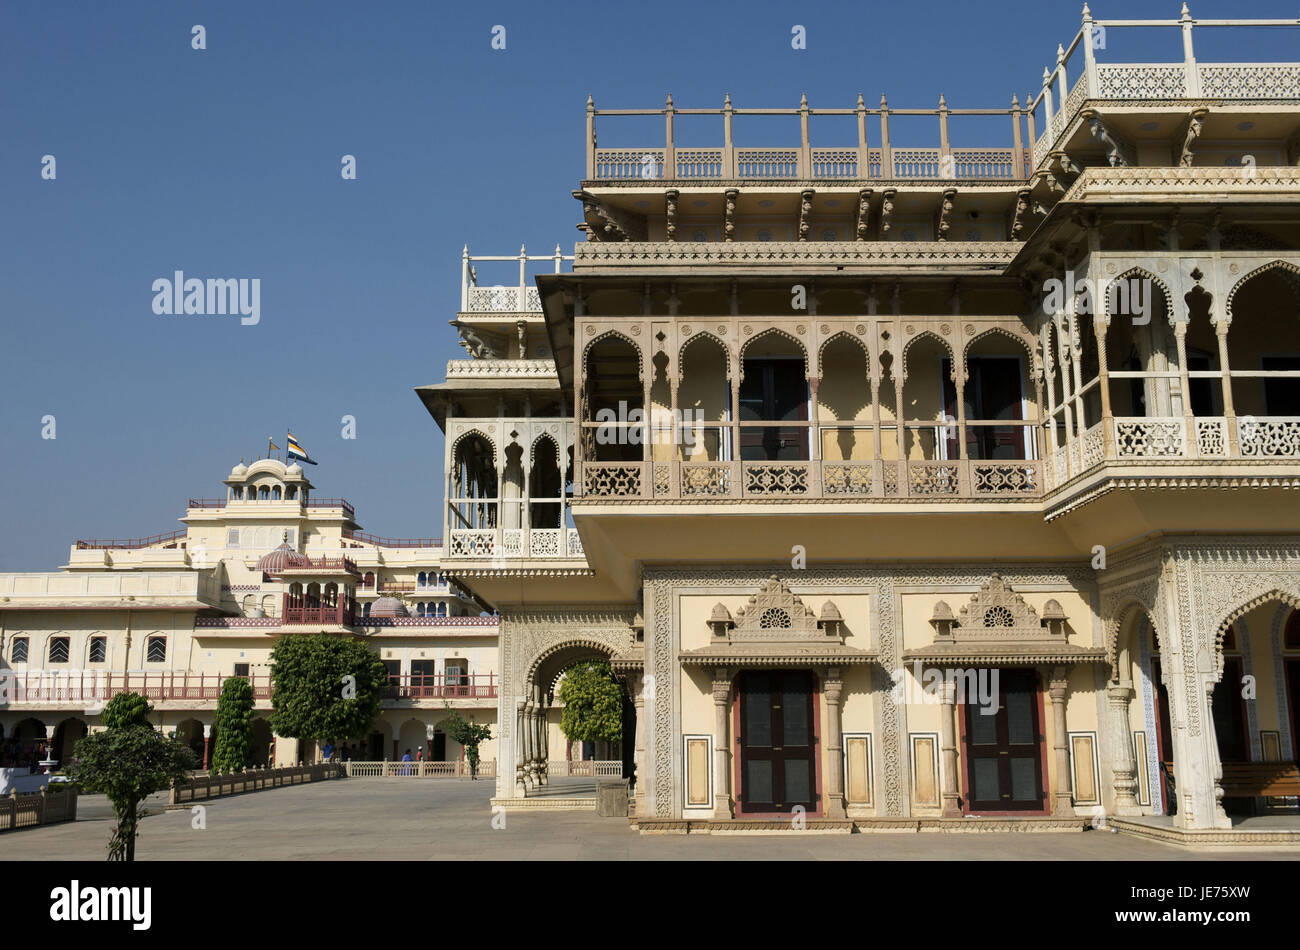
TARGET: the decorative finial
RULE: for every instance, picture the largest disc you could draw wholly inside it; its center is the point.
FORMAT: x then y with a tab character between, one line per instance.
943	103
883	103
1087	14
1060	53
670	100
284	536
861	104
1015	101
1047	76
1186	15
803	100
590	104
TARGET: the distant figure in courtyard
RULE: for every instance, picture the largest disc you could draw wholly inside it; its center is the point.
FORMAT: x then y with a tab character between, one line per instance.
406	758
327	751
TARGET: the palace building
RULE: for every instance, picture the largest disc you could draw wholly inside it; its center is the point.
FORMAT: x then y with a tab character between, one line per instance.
911	481
173	615
941	476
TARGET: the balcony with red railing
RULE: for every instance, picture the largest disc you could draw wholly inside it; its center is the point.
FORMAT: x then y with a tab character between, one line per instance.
93	687
298	611
325	565
442	686
166	539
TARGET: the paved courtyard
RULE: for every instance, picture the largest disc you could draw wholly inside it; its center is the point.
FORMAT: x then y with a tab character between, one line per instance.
449	819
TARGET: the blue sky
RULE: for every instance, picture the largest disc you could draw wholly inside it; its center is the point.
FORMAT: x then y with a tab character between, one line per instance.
225	163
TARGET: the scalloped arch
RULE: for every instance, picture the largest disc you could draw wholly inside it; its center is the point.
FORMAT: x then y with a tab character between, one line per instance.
605	335
1137	269
1288	597
532	449
922	334
455	445
773	331
845	334
588	643
1020	341
1118	622
696	338
1278	264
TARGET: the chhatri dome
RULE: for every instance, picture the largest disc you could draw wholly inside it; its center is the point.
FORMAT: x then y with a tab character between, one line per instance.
388	607
282	558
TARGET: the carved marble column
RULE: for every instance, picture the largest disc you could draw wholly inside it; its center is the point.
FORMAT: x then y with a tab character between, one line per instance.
543	739
638	684
1123	766
722	803
1062	804
1233	444
521	785
948	745
530	752
834	688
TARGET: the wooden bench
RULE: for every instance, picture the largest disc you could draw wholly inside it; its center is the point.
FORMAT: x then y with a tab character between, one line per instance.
1260	779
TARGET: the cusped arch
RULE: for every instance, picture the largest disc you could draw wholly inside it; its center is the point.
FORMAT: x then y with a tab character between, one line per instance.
1288	597
947	347
1118	620
1138	271
455	445
574	645
1284	266
773	331
844	334
532	449
697	337
1022	343
612	334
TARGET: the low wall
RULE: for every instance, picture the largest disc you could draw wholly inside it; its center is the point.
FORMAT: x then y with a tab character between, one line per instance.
204	787
486	769
42	808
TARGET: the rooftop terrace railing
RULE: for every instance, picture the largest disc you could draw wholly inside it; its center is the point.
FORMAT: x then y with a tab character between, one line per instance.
845	162
1188	79
132	544
503	298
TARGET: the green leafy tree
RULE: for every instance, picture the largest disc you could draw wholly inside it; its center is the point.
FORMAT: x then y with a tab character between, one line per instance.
468	734
593	703
129	761
325	687
234	726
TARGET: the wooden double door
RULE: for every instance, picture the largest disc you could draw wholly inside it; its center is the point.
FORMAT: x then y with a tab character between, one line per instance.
777	743
1004	748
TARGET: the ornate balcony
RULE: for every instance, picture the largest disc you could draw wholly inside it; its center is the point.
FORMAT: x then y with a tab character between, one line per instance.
515	543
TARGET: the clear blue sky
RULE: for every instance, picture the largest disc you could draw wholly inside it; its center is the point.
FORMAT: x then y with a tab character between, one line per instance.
225	163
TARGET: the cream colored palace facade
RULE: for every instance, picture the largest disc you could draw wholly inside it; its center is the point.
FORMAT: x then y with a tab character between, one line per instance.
172	616
805	443
874	525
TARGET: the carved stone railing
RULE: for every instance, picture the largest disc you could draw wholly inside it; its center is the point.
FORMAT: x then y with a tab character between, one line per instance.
699	162
510	369
1106	185
767	163
834	480
625	163
514	543
1269	436
503	299
1150	437
1250	80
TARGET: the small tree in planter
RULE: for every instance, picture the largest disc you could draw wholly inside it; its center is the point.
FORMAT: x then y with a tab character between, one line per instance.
234	726
129	761
468	734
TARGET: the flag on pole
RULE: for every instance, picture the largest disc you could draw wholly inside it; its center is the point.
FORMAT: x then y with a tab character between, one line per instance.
271	446
296	451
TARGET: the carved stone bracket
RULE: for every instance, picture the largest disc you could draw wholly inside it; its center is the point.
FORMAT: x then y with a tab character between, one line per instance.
864	213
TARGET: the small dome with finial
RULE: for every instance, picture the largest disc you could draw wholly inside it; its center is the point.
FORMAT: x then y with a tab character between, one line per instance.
388	607
282	558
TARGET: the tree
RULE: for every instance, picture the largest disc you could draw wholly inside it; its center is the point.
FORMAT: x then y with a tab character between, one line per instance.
128	761
593	703
468	734
234	726
325	687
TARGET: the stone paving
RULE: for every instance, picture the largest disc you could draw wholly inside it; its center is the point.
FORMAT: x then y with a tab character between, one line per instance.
450	819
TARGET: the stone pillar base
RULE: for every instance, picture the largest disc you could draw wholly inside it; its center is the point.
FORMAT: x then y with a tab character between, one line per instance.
835	807
724	809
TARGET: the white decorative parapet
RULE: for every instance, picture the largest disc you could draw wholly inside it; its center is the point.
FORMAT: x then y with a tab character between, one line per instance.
513	369
500	298
515	543
1269	436
1150	437
1250	80
1141	81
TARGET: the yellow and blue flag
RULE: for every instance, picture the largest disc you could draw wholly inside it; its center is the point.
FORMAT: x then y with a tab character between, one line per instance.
296	451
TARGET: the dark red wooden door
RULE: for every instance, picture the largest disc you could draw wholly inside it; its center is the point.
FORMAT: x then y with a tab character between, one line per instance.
777	742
